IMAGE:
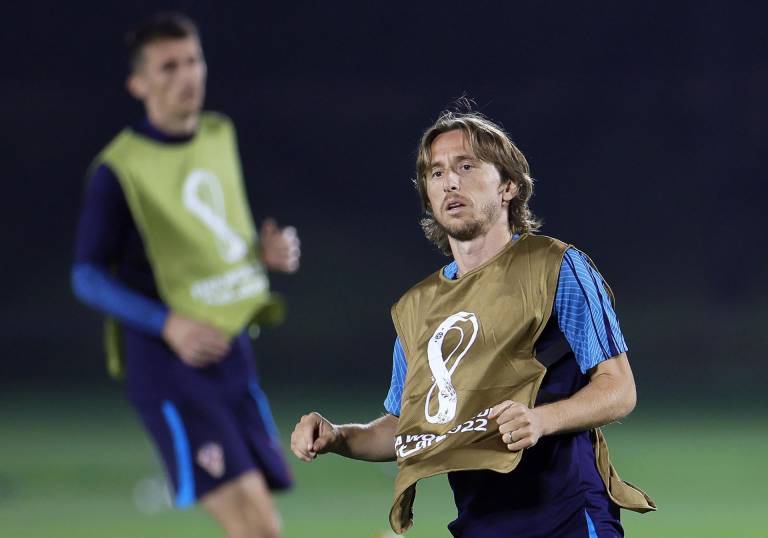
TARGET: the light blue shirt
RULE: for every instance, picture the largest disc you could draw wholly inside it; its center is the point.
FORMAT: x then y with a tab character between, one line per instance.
584	313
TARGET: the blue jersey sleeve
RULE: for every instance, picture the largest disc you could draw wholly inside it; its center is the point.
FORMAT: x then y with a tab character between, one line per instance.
97	288
101	230
399	369
585	313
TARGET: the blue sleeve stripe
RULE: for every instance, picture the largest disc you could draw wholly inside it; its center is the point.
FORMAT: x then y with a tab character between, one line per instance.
592	533
185	487
262	403
96	287
585	313
399	370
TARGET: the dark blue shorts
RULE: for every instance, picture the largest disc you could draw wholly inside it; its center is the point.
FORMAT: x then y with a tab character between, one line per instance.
210	425
209	441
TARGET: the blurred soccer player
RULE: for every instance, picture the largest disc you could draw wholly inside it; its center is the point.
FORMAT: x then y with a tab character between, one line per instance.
507	361
166	247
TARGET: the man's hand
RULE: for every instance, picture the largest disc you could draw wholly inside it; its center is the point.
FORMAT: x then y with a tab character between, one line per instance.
279	247
314	435
520	427
197	344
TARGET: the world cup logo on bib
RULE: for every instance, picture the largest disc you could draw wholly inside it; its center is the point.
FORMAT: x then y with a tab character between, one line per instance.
461	329
204	198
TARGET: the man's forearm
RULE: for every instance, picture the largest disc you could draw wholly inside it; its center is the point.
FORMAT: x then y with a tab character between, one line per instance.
374	441
609	396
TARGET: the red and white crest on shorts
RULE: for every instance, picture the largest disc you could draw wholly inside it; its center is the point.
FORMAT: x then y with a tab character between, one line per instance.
210	457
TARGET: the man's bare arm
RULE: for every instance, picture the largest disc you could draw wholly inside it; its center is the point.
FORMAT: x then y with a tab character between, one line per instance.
314	435
609	396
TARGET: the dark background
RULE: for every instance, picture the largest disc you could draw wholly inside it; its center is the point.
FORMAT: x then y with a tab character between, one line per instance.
644	124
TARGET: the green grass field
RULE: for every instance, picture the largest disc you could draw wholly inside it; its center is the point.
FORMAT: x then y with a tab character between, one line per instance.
70	464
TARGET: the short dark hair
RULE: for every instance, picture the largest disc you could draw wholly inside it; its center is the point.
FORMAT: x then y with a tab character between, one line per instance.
165	25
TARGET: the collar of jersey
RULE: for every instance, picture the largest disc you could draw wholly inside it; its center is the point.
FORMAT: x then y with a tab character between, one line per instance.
145	128
451	270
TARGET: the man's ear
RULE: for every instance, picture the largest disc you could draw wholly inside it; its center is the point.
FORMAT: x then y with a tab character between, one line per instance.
136	86
509	191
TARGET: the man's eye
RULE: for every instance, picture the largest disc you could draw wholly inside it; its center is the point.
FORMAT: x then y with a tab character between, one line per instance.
169	67
437	173
467	166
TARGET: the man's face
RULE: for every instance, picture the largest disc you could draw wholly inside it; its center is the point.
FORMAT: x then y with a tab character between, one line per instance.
170	77
464	192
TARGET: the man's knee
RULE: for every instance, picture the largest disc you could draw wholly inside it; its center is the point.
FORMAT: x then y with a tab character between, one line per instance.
259	510
249	528
267	528
256	524
244	507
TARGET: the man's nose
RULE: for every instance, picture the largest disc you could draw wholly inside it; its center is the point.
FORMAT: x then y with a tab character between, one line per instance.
450	182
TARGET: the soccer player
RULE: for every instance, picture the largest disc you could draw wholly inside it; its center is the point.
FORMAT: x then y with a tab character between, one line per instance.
166	248
506	363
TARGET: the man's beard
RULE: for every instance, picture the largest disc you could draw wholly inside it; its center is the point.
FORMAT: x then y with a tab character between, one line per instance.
467	231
